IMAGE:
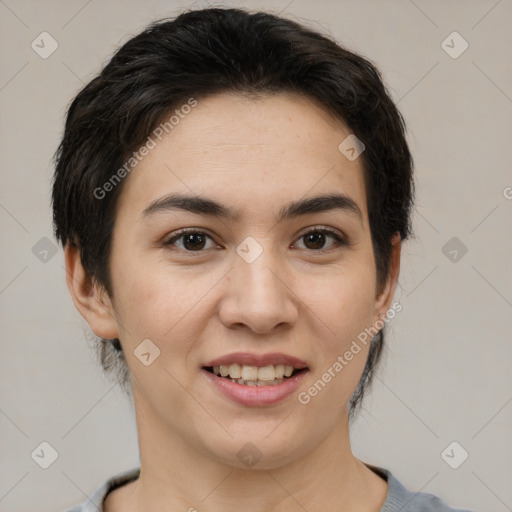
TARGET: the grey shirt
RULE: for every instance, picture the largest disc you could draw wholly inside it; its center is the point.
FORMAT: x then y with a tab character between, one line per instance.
398	498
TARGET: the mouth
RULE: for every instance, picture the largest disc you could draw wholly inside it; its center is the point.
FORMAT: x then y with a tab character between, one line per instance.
251	375
259	384
255	380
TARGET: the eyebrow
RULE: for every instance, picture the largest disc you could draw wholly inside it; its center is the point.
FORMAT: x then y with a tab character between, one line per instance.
205	206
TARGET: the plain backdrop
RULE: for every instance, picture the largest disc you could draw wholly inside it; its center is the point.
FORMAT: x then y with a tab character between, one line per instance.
446	375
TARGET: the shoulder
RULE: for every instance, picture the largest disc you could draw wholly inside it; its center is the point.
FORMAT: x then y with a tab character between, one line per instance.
400	499
95	501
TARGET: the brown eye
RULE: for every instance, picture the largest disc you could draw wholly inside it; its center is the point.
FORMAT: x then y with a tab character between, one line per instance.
316	239
196	241
192	241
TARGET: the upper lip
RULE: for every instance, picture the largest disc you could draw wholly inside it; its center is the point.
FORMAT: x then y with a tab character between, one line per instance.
246	358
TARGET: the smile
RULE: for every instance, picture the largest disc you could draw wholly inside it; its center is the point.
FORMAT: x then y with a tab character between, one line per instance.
250	375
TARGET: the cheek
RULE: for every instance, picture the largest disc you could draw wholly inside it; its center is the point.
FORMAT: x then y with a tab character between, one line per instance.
166	307
342	305
342	302
167	311
344	312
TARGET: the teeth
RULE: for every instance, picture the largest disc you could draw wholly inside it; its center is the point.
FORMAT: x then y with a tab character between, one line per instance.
279	371
249	372
234	371
258	382
253	375
266	373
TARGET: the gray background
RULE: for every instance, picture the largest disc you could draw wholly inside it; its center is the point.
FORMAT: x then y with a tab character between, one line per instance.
446	375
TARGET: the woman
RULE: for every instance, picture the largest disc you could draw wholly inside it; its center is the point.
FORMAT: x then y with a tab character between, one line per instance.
231	193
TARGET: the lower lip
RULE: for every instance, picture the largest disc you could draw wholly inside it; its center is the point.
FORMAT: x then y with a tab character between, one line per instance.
255	395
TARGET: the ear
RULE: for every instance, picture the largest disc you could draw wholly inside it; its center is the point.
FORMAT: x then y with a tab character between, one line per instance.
387	290
90	299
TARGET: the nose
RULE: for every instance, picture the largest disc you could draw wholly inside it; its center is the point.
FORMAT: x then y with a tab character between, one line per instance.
259	295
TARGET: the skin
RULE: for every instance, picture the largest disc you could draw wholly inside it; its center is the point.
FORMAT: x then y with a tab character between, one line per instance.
255	155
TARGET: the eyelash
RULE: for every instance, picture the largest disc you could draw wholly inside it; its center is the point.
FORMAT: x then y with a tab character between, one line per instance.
340	241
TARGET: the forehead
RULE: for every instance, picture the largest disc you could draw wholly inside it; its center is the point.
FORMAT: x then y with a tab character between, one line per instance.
247	152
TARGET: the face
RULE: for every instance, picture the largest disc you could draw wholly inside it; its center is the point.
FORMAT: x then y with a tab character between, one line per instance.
269	285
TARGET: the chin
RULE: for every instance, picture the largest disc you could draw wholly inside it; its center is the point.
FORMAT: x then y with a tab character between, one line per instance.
256	451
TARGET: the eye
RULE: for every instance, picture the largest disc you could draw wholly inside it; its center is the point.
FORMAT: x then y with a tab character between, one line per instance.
196	241
316	238
193	240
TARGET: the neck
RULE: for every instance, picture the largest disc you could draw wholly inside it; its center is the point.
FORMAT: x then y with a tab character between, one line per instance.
175	475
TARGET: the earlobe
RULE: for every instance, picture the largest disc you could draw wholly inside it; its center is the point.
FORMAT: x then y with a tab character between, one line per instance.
91	301
383	300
